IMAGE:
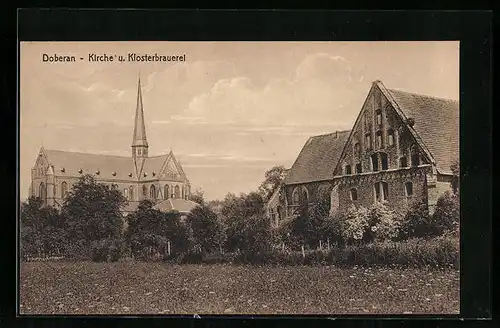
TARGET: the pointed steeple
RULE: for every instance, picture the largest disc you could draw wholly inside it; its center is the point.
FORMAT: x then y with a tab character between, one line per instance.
139	143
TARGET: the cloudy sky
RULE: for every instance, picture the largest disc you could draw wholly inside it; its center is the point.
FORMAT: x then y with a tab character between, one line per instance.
229	113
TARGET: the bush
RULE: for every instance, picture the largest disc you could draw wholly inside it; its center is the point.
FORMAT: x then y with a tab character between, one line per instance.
446	216
105	250
442	251
416	222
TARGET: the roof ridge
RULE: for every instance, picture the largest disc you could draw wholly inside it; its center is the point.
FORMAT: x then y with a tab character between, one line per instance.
327	134
84	153
424	95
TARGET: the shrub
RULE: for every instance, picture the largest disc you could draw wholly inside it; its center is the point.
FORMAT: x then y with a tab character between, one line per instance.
384	223
105	250
416	222
446	216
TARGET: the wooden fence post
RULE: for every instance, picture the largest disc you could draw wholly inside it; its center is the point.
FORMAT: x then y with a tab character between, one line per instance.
320	246
328	243
168	247
303	252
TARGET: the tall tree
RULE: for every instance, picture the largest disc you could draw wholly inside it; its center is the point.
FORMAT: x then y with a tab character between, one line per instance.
93	210
273	179
207	230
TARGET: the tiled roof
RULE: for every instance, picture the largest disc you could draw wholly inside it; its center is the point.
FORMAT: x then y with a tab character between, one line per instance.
436	123
69	163
318	158
176	204
110	167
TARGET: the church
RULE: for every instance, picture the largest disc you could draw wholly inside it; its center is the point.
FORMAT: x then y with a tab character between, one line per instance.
402	148
160	179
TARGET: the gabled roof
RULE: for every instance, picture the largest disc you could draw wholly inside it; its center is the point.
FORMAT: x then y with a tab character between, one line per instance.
436	122
318	158
67	163
176	204
72	162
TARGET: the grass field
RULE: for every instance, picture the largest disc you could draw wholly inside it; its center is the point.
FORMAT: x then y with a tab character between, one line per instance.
155	288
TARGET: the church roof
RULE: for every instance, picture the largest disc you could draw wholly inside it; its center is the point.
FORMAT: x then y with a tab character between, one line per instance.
176	204
110	167
436	122
318	158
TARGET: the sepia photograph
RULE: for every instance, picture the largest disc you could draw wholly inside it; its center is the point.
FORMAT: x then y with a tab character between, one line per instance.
239	178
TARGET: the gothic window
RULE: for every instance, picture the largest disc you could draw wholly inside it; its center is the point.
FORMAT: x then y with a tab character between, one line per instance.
403	162
125	193
409	189
368	141
384	161
177	192
305	195
131	192
152	192
378	136
357	150
42	192
348	170
374	159
358	168
378	117
390	137
144	190
64	189
415	157
381	191
354	194
139	151
166	192
295	196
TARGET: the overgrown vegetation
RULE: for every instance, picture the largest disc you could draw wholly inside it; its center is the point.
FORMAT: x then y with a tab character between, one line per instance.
236	230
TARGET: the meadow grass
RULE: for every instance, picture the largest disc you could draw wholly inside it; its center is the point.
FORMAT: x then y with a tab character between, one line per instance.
160	288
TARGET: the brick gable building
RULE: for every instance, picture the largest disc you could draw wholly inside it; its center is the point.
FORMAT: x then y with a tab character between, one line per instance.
158	178
400	149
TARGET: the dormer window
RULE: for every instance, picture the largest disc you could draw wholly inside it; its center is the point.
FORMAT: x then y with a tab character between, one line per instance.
63	170
97	172
130	174
80	171
145	174
154	174
114	174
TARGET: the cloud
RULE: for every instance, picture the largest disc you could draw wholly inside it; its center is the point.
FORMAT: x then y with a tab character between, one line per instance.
323	89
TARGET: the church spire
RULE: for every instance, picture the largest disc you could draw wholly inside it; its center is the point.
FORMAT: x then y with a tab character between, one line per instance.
139	143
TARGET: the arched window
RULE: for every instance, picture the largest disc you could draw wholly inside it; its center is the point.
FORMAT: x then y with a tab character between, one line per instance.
384	161
182	192
378	136
295	196
305	195
177	192
152	192
378	117
353	194
390	137
125	193
358	168
374	159
64	189
357	149
368	142
131	192
409	189
415	158
42	192
381	191
166	192
144	190
348	170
